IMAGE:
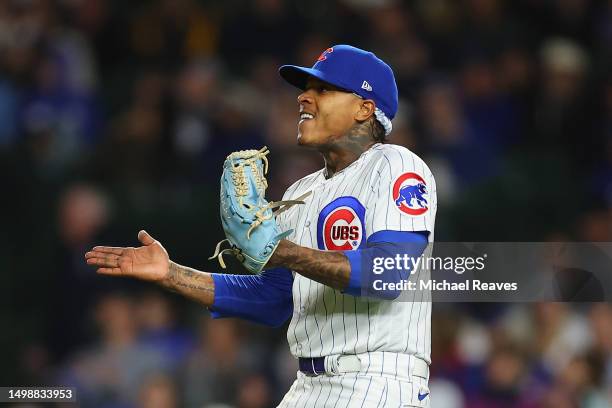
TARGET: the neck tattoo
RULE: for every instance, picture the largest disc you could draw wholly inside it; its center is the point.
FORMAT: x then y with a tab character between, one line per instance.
347	149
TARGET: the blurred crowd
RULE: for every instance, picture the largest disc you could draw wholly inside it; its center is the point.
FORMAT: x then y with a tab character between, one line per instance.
117	115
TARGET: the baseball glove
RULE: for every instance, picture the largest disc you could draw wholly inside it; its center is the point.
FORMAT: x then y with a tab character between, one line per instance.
247	218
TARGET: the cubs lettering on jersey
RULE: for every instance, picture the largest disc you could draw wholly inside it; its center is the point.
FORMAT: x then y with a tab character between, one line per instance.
387	188
341	225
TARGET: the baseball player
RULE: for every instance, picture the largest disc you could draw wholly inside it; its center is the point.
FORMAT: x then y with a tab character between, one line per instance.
356	346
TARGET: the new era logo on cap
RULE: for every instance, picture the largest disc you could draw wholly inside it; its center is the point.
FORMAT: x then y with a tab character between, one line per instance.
366	86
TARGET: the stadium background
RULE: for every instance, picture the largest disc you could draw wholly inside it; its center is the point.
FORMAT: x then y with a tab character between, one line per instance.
116	116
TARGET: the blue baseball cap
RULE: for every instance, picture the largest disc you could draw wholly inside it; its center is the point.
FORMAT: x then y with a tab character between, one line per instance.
354	70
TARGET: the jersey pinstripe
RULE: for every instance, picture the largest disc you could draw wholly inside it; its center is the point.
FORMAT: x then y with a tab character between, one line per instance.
326	321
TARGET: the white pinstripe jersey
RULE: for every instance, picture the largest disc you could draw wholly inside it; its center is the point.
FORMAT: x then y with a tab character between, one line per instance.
387	188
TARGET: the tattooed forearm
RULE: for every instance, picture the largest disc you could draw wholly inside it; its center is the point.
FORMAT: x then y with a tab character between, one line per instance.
191	283
327	267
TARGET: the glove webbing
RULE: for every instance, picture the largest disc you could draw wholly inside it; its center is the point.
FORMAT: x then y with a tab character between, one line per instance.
250	158
281	206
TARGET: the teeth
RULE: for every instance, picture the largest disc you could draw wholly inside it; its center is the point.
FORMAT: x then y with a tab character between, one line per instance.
306	116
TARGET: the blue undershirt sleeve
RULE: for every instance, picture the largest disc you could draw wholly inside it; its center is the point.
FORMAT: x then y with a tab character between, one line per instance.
265	298
381	246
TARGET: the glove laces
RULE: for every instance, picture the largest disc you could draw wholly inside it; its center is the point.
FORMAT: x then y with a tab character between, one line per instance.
260	217
249	158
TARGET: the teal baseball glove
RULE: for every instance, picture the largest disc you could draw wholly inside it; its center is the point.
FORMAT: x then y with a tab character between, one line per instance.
247	218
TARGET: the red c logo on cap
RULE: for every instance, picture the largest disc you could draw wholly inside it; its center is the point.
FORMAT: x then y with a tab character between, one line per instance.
323	55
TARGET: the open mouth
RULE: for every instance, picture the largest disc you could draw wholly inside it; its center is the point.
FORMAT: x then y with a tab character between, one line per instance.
305	116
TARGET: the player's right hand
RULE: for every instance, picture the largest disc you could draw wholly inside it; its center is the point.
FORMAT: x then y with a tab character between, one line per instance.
149	262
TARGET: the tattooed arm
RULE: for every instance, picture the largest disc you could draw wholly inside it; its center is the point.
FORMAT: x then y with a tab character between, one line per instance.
352	271
330	268
191	283
264	298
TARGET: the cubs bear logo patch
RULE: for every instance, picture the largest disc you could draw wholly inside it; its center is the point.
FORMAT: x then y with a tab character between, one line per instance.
409	194
341	225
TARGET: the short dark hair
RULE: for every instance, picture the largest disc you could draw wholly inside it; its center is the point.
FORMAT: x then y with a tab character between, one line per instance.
378	131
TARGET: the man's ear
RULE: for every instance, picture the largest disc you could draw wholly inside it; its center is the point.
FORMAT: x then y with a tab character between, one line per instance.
366	110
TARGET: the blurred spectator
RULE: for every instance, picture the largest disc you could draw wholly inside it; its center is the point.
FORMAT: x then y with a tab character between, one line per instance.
158	392
254	392
562	111
490	114
583	378
160	330
516	72
83	213
595	226
554	332
447	133
108	373
197	90
213	372
601	323
505	377
131	157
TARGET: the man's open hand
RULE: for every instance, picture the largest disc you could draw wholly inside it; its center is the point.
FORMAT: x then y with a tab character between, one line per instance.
149	262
